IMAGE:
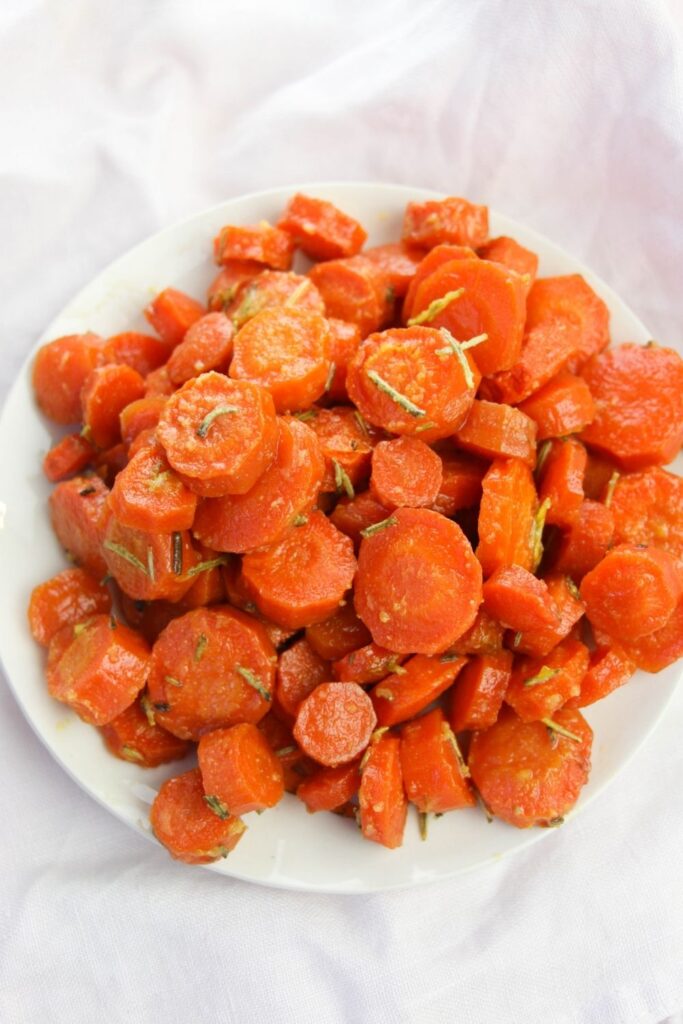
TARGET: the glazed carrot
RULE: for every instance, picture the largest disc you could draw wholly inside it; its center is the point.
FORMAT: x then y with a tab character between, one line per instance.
286	351
569	606
511	254
339	635
209	586
274	289
106	391
451	220
60	369
158	383
648	509
150	566
660	649
147	438
562	406
506	516
354	289
561	480
474	297
638	394
260	242
148	495
436	257
344	343
149	617
518	600
240	598
353	515
211	668
171	313
546	350
334	723
142	414
367	664
571	298
633	591
585	543
101	671
329	788
110	462
280	499
142	352
207	345
597	476
539	687
347	444
420	681
229	281
477	695
79	514
384	383
70	597
132	737
381	799
434	774
303	578
295	765
187	827
240	773
460	483
608	669
494	431
221	434
526	773
405	473
485	636
68	457
299	671
321	229
418	585
398	262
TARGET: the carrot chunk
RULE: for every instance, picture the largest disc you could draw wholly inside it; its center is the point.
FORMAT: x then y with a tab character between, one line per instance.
431	261
70	597
344	343
354	289
79	515
68	457
541	686
608	669
59	373
260	242
150	566
648	509
398	262
353	515
132	737
546	350
562	406
585	542
148	495
540	641
417	683
142	414
106	392
320	229
207	345
274	289
381	798
367	664
477	696
334	723
561	481
142	352
347	444
506	516
434	774
330	788
240	773
497	431
518	600
171	313
229	282
187	827
511	254
299	671
571	298
451	220
334	638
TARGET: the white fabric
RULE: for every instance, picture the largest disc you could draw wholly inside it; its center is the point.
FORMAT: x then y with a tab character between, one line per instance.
119	117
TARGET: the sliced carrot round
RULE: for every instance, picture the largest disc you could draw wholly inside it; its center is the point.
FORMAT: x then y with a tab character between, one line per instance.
367	664
229	282
354	289
240	772
187	827
171	313
572	299
413	686
344	343
584	543
142	414
337	636
430	262
148	495
79	513
451	220
207	345
106	392
329	788
132	737
299	671
539	687
648	509
150	566
434	774
59	373
353	515
405	472
321	229
71	596
261	242
69	456
347	444
271	289
382	802
562	406
143	352
477	696
158	383
334	723
511	254
519	600
398	261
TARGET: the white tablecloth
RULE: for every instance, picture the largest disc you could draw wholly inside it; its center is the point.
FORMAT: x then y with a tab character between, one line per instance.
120	117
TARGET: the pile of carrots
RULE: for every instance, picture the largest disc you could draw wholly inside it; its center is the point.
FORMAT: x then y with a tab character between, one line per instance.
372	534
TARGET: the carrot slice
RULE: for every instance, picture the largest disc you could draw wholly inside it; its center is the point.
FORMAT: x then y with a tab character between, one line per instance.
511	254
561	481
187	827
132	737
353	515
562	406
60	369
274	289
485	636
229	282
142	352
638	394
260	242
526	773
518	600
208	587
633	591
571	297
354	289
321	229
148	495
495	431
541	686
299	671
418	682
546	350
150	566
474	297
344	343
280	499
106	392
303	578
381	798
398	262
347	444
460	483
158	382
70	597
334	723
608	669
477	696
405	473
418	585
219	432
660	649
585	543
334	638
295	765
147	438
436	257
648	509
330	788
211	668
79	514
171	313
598	474
367	664
207	345
434	774
286	351
240	773
101	671
68	457
413	381
506	516
451	220
540	641
142	414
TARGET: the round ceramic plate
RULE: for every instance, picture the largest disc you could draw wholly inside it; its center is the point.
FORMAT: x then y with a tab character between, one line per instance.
285	847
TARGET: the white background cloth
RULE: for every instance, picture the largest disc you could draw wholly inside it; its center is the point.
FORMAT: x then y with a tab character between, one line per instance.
119	117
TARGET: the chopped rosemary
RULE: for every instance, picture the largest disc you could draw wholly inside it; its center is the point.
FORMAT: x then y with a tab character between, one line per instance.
382	385
537	527
158	480
422	824
361	422
202	642
342	481
177	542
450	737
310	414
211	563
330	376
448	656
86	491
554	727
370	531
161	705
384	692
220	410
435	307
572	588
107	578
86	432
478	339
218	808
456	348
517	639
127	555
284	751
542	677
612	483
425	425
81	627
253	681
555	822
541	457
377	734
150	565
131	754
292	299
172	681
146	706
390	295
395	667
112	622
300	520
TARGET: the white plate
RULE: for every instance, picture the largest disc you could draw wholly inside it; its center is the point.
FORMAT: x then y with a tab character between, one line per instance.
285	847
